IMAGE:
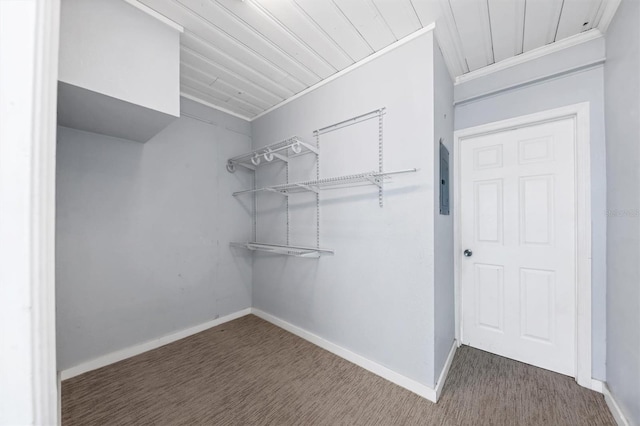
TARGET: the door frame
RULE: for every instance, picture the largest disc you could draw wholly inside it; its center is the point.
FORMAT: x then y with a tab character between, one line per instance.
29	46
579	113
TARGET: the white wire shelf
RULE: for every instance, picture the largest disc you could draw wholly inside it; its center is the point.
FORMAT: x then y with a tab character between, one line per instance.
307	252
279	151
374	178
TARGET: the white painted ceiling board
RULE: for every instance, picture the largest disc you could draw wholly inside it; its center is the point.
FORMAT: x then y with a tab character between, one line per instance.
449	38
205	31
428	11
295	20
198	61
248	56
196	74
577	16
541	22
400	16
240	106
188	84
194	84
472	23
337	26
194	93
241	95
207	50
272	30
507	27
222	86
368	21
216	15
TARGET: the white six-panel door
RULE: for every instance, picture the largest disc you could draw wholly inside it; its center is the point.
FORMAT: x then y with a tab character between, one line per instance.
518	220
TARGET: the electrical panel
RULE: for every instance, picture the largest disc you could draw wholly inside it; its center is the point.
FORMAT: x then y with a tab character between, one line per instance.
444	179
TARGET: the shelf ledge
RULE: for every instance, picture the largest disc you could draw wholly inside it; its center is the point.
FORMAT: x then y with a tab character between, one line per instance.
374	178
307	252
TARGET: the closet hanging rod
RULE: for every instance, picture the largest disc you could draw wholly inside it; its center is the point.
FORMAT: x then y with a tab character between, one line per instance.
375	178
276	151
350	121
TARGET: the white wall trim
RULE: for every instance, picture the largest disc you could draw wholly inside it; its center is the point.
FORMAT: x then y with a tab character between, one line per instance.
597	385
445	370
580	114
352	67
380	370
131	351
610	8
160	17
29	37
616	412
548	49
216	107
531	81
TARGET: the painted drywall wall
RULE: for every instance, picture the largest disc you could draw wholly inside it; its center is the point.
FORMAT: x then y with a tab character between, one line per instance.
622	111
583	86
444	308
138	63
142	233
375	296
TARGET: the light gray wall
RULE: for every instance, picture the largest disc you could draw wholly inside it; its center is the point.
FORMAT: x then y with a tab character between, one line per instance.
582	86
375	296
622	96
93	112
113	48
443	283
142	234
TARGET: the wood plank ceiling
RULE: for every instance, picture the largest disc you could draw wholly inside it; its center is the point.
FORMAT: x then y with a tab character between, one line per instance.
247	56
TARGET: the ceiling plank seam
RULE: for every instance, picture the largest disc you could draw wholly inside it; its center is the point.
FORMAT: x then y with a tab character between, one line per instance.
250	48
275	45
247	82
243	70
291	34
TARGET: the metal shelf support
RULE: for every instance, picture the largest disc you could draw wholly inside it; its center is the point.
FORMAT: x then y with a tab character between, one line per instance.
307	252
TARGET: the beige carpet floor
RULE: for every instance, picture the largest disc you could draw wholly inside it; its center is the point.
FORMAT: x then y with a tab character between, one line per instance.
249	372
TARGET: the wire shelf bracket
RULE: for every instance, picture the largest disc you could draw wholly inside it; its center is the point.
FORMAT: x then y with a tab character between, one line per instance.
279	151
306	252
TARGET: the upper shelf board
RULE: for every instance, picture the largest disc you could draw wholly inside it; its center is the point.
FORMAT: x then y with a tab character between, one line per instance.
375	178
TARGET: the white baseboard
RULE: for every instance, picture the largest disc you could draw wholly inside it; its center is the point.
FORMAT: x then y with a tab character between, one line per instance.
445	370
619	417
122	354
597	385
382	371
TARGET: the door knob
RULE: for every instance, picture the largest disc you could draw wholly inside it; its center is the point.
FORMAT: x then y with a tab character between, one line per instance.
468	253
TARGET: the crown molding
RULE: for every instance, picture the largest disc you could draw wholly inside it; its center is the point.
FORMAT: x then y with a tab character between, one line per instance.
216	107
608	12
160	17
548	49
429	28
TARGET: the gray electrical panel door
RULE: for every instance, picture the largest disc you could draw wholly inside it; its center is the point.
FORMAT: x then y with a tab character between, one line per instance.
444	179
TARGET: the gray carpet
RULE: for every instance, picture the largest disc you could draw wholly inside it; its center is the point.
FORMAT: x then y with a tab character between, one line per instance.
249	372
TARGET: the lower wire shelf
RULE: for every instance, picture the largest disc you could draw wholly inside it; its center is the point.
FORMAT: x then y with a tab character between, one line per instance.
308	252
